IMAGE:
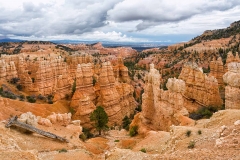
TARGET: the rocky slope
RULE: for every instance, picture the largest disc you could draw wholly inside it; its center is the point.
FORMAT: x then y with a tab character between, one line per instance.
201	50
214	138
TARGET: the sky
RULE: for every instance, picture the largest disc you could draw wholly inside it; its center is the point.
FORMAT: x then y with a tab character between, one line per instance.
114	20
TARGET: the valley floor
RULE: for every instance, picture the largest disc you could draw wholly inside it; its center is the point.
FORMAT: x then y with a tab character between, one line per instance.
215	138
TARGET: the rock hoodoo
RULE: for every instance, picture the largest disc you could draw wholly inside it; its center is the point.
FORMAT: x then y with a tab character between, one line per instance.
199	87
232	91
161	109
116	97
217	70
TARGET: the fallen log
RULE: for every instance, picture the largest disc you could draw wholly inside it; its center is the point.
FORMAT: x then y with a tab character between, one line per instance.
14	122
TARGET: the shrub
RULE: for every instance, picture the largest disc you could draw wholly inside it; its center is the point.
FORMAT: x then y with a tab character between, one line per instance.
14	80
19	87
138	108
139	76
72	111
74	87
49	99
8	94
191	144
206	70
62	150
21	97
41	97
49	96
94	81
83	137
87	133
50	102
199	132
116	140
31	99
188	133
67	96
204	112
133	131
126	122
143	150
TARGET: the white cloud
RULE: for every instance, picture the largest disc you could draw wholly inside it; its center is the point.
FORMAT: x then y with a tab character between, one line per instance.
96	36
109	36
116	20
153	13
70	17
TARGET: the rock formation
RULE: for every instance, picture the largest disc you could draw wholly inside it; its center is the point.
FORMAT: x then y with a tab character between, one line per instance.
28	118
217	70
52	75
84	96
7	70
199	87
74	60
83	107
62	119
25	79
161	109
232	91
121	71
231	58
115	97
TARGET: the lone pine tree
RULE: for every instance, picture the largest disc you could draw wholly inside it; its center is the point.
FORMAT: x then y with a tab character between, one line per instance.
100	118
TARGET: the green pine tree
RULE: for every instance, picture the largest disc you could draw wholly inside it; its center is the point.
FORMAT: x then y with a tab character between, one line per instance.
100	118
74	87
126	122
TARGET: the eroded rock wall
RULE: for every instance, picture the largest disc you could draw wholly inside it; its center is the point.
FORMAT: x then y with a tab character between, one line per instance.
116	97
121	71
199	87
161	109
7	70
232	91
217	70
96	85
231	58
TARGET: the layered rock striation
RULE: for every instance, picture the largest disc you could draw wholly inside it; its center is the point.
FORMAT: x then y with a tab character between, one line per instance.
217	70
199	87
232	91
161	109
84	97
116	97
89	85
121	71
231	58
97	86
7	70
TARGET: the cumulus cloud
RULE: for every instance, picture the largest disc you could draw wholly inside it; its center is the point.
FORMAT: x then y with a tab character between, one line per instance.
89	36
68	17
109	36
113	19
152	12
